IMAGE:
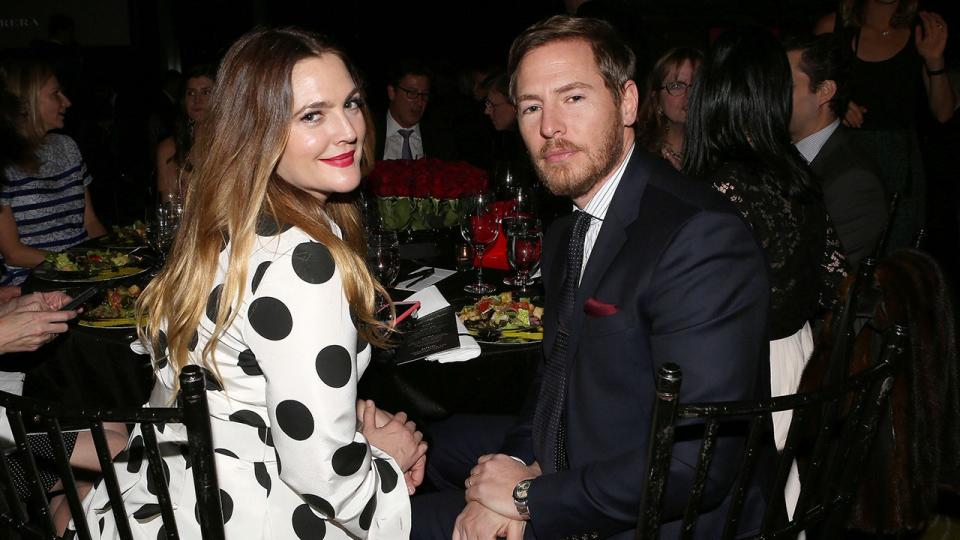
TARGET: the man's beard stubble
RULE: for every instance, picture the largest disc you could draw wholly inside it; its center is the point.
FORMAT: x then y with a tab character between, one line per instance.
565	182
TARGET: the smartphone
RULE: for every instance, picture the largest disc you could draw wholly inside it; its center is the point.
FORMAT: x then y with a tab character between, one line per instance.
79	299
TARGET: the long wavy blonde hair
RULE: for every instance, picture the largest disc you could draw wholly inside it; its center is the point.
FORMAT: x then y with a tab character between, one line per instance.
234	184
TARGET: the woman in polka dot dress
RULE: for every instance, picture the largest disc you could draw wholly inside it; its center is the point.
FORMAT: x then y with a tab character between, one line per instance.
266	288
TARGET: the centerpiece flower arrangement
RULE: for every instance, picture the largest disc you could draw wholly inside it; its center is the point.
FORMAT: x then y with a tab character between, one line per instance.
423	194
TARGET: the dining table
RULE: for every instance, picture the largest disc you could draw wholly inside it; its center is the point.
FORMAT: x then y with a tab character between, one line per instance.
89	367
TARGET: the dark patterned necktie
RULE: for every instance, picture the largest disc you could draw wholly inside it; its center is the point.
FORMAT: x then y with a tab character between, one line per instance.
405	152
549	436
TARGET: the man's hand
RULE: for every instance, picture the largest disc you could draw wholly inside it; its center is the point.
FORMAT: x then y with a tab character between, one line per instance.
492	480
413	476
477	522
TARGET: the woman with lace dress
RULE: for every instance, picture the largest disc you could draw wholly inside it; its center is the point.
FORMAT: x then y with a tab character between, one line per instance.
267	290
738	139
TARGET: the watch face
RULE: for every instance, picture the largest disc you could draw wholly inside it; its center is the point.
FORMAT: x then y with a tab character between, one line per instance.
520	492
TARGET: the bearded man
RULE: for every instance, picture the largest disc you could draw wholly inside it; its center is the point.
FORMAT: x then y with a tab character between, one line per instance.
651	267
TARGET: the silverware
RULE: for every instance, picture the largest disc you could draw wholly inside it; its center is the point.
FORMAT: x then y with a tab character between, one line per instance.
426	273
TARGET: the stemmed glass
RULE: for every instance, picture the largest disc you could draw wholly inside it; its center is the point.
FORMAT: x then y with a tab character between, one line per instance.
521	210
383	256
524	241
480	228
162	228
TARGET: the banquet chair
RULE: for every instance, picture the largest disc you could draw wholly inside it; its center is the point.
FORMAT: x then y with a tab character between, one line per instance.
847	415
32	519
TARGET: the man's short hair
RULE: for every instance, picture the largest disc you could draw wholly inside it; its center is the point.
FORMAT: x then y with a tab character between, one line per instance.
823	58
408	66
613	56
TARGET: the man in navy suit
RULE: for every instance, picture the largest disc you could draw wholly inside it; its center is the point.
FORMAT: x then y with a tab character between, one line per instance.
668	273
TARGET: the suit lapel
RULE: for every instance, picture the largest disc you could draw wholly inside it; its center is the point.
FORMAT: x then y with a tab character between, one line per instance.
622	212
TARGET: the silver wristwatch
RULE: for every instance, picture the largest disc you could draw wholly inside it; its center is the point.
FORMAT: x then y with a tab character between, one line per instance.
520	498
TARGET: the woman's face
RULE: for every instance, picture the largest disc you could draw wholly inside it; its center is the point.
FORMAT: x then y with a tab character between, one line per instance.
197	96
325	143
53	105
675	107
500	111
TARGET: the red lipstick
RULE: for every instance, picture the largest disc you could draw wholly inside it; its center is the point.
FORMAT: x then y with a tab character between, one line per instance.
343	160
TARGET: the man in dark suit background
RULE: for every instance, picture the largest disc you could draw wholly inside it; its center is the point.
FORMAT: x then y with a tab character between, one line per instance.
852	190
651	268
401	132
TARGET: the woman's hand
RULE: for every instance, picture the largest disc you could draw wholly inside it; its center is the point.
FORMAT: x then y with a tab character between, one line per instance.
854	116
33	323
931	39
396	437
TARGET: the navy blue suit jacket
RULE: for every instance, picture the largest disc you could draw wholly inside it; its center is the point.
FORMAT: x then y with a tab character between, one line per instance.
690	285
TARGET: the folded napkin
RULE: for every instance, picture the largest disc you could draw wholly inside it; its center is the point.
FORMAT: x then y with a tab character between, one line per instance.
416	284
431	300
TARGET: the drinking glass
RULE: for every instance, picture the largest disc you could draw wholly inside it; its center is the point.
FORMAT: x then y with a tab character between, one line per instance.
521	210
383	256
162	229
524	242
480	227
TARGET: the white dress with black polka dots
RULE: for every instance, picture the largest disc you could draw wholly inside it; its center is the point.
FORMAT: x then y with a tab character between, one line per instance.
289	459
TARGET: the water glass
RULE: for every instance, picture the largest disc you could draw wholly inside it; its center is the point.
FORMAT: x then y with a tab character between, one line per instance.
383	256
480	227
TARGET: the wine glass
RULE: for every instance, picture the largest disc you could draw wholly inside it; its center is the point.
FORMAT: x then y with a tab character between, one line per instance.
161	230
480	227
524	242
383	256
521	210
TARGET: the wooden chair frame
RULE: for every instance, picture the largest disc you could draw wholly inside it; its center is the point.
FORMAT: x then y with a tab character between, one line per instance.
32	519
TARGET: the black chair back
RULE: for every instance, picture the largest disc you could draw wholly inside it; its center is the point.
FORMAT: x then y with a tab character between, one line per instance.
846	413
32	519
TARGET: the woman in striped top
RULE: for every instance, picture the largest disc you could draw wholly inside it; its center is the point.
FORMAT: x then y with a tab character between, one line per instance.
44	199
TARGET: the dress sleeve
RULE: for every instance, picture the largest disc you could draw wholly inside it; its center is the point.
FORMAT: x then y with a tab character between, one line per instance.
299	328
833	268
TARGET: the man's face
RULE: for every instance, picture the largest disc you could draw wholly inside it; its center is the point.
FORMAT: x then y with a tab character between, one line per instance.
806	103
575	130
408	99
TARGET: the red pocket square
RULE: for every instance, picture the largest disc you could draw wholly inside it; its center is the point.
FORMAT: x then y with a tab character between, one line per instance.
597	308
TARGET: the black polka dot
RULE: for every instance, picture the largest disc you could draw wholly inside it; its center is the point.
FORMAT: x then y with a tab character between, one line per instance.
162	533
194	340
263	477
276	453
320	504
306	524
388	476
226	452
152	486
213	384
160	350
294	419
161	426
258	275
312	262
249	418
248	363
267	225
100	524
361	344
266	435
348	459
147	511
135	455
213	302
226	502
69	534
270	318
334	366
366	516
224	240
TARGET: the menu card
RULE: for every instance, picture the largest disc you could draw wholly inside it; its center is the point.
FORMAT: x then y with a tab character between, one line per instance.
429	334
